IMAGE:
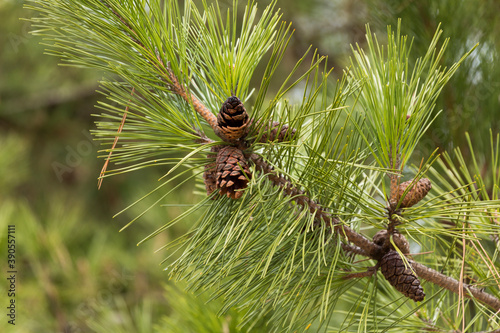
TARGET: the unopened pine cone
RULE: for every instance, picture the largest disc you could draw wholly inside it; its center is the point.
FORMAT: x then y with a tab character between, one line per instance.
232	172
277	132
232	120
401	277
415	194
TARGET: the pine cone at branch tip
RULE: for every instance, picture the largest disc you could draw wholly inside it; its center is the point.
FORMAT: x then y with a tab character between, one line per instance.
401	277
232	120
400	240
414	195
232	172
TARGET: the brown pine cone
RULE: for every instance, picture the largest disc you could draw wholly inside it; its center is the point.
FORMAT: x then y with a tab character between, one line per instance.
400	240
401	277
232	120
415	194
277	132
232	172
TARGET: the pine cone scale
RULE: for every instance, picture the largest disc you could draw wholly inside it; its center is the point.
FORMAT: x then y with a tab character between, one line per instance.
232	160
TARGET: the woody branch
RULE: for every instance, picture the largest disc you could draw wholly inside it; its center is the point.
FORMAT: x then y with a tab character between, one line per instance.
323	218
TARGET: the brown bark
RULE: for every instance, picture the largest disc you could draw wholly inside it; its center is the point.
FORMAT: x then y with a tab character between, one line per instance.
453	285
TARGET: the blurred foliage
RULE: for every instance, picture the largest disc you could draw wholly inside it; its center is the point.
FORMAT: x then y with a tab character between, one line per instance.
76	272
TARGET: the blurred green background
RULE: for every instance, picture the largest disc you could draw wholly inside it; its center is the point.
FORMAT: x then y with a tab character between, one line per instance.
76	272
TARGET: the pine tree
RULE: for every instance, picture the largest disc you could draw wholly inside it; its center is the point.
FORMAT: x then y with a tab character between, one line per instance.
304	184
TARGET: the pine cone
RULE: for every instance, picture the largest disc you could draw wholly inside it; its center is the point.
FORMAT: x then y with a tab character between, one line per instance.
415	194
277	132
232	120
232	172
401	277
399	239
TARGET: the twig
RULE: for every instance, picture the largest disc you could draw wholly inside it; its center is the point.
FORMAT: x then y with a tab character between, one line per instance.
105	166
353	249
198	106
453	285
395	164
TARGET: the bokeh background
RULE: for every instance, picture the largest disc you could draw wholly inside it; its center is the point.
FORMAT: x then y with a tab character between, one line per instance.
76	271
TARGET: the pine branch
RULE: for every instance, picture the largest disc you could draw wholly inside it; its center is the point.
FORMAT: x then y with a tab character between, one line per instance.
191	99
454	286
322	217
353	249
177	88
390	132
364	246
171	80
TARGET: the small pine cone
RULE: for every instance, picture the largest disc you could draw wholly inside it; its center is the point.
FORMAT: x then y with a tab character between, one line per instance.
232	120
209	176
401	277
232	172
415	194
277	132
399	239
